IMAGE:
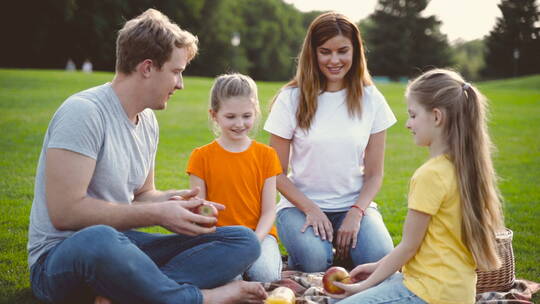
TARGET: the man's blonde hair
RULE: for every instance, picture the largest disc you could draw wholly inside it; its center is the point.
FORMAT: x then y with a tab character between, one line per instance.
153	36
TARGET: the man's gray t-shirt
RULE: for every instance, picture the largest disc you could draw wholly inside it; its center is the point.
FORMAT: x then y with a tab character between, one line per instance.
94	123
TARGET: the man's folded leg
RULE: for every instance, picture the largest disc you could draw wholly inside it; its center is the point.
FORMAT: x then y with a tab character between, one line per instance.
111	265
206	261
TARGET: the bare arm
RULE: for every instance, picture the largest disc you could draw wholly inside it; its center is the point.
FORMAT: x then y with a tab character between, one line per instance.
414	230
268	208
373	169
149	193
373	175
68	175
197	182
314	216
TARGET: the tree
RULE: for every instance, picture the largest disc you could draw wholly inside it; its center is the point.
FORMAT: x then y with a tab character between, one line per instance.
273	34
400	42
513	45
270	33
469	58
217	54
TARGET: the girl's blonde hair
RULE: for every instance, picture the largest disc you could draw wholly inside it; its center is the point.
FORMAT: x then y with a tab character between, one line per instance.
310	80
234	85
469	147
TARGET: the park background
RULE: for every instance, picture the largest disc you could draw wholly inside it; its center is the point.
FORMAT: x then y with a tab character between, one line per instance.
262	38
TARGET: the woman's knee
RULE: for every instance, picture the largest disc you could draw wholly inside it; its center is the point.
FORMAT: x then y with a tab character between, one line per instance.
315	258
314	263
373	240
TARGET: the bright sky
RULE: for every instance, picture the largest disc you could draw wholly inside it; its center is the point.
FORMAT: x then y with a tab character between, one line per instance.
465	19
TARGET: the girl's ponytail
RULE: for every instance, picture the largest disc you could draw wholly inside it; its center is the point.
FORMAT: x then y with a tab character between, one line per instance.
471	150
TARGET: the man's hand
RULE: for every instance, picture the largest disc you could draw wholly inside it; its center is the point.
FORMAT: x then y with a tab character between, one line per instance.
187	195
176	216
184	194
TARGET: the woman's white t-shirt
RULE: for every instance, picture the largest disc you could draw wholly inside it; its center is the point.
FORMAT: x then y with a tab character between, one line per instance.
327	163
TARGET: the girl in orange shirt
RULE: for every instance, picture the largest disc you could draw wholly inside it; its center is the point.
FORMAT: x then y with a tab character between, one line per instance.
239	172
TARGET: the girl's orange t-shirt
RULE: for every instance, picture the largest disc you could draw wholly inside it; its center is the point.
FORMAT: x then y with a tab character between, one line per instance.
235	180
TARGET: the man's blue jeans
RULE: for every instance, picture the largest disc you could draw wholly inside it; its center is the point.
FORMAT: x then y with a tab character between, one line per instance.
309	253
138	267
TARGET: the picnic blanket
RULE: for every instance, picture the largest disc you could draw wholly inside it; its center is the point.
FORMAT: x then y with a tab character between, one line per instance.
520	293
308	289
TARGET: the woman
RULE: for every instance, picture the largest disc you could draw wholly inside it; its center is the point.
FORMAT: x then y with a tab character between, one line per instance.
330	124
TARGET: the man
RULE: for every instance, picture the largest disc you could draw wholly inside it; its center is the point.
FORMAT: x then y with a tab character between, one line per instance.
95	182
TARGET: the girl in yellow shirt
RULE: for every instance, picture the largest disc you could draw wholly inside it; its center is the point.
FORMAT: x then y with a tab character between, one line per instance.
454	203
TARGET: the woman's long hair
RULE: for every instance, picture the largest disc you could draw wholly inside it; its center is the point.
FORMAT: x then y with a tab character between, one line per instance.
311	81
469	147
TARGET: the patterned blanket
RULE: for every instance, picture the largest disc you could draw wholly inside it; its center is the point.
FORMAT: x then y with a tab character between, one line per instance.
308	289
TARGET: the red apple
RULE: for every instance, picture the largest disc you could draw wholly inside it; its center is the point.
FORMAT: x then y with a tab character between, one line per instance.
333	274
206	209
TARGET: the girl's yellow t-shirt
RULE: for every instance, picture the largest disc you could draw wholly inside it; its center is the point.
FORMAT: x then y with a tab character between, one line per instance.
236	180
443	269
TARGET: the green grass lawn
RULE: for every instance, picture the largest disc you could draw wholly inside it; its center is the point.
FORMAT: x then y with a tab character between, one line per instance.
28	99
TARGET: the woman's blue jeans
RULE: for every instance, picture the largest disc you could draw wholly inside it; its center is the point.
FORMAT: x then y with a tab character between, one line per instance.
139	267
309	253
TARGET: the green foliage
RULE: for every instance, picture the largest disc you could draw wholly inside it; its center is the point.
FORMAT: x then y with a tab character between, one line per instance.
216	54
513	46
401	42
469	58
270	33
28	99
273	34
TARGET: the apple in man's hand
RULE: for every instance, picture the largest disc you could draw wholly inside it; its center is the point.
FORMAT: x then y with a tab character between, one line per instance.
338	274
206	209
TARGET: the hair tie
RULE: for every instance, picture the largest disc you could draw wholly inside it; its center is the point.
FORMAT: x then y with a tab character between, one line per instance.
466	86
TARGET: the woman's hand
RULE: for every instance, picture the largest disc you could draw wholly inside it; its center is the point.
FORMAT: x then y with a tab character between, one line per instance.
347	233
320	223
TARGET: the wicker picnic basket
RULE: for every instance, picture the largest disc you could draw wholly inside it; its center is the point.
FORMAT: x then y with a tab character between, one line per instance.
501	279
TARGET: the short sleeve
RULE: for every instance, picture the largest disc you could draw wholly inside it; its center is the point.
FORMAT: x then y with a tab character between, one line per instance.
273	167
150	117
281	120
384	117
195	164
426	192
77	126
